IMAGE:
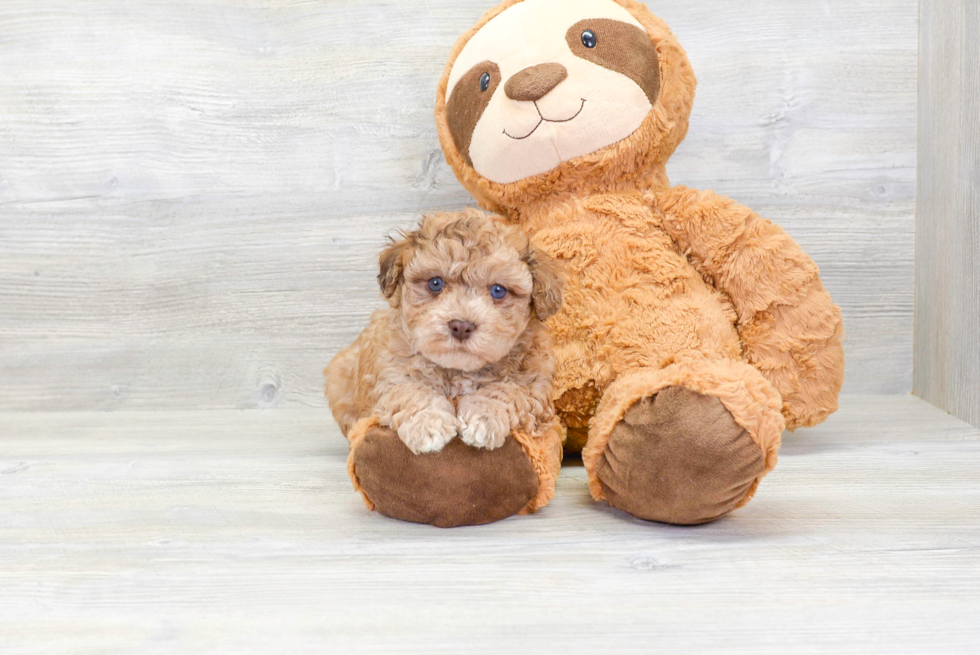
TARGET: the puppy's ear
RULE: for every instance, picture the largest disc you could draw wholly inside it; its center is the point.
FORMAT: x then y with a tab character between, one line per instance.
393	260
548	279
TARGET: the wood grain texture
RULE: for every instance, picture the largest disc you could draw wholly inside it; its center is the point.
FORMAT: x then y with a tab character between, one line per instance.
947	325
192	194
238	532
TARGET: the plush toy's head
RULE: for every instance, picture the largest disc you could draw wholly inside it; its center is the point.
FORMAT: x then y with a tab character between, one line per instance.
544	96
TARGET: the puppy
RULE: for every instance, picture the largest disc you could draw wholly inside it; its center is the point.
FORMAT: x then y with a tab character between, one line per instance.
462	348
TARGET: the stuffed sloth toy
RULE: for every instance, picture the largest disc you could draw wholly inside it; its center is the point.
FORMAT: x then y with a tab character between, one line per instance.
693	331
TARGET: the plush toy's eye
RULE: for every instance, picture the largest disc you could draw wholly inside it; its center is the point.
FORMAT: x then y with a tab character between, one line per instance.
484	81
436	285
589	39
498	292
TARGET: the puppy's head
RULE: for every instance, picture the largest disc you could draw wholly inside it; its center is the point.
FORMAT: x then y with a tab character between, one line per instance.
467	285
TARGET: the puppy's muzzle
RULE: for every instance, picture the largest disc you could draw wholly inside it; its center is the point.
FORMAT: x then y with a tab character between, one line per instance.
461	330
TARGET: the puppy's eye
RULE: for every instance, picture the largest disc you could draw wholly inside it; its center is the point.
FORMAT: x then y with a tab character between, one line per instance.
498	292
436	285
589	39
484	81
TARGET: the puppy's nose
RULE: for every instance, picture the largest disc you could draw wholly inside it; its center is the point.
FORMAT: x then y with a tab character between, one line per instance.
462	330
535	82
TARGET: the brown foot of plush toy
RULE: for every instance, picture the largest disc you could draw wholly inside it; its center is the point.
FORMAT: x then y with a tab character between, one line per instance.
686	444
458	485
679	457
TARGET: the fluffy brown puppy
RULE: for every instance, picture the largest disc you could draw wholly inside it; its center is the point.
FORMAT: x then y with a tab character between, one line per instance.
462	349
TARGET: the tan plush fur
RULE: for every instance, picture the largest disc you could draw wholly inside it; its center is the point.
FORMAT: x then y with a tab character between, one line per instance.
543	447
668	285
355	435
407	371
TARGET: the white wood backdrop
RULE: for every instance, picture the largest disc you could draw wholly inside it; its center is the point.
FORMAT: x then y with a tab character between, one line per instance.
947	326
192	193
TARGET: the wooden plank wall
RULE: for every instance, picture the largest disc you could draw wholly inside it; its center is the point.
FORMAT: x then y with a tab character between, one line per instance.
947	325
193	192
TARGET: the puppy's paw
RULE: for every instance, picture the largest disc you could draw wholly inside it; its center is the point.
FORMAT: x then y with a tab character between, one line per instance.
483	422
428	430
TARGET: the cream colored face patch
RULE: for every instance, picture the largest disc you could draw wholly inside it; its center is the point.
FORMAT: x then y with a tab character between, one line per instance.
568	78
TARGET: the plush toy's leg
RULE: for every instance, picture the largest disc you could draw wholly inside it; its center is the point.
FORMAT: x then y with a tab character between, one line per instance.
457	486
685	444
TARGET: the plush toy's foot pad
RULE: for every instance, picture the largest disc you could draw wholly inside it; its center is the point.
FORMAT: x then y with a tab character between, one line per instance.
457	486
679	457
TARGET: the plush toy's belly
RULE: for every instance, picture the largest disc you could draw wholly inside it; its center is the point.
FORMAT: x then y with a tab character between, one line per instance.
631	301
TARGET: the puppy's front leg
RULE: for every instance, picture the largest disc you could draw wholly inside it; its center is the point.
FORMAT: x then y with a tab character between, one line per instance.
493	412
424	420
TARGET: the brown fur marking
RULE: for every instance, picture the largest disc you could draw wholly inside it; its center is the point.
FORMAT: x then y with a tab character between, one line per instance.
467	104
621	47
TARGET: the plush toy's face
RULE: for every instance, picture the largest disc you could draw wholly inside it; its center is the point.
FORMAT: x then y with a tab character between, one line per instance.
548	81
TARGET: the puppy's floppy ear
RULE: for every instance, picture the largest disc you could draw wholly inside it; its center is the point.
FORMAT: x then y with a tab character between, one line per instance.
393	260
548	279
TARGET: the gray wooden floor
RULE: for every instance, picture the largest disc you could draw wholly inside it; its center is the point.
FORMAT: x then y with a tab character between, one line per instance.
169	532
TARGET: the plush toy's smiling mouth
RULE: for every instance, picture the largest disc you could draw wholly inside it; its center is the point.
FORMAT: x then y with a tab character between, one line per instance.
542	119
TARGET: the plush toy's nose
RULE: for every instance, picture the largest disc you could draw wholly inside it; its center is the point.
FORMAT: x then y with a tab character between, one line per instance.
462	330
535	82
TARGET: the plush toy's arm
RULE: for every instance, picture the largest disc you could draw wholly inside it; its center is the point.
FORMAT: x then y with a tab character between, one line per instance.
790	329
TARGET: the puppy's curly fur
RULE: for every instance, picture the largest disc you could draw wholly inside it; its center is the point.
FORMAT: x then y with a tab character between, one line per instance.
412	373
